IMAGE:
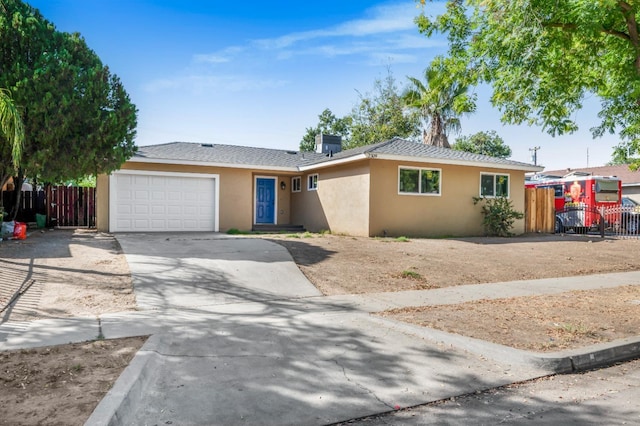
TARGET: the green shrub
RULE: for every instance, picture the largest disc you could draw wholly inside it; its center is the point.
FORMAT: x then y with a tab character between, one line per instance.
499	216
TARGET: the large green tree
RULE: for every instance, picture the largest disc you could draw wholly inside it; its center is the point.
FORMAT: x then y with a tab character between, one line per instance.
486	143
78	119
543	58
377	117
382	115
441	99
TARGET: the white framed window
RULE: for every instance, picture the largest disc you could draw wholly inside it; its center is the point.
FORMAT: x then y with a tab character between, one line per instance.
494	185
296	184
417	181
312	182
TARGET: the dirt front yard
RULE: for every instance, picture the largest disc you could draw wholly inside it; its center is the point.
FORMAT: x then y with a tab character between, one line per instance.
67	273
350	265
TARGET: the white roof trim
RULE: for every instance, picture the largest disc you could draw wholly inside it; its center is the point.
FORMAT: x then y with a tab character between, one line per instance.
208	164
408	158
456	162
333	162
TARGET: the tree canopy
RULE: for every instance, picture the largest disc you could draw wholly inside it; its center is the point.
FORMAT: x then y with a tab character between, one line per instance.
377	117
329	124
486	143
78	119
544	58
382	115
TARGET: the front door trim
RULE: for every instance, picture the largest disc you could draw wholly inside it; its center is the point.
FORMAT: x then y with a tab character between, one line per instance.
255	199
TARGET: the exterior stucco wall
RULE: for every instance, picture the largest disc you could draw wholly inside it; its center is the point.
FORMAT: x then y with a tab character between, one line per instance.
236	196
340	204
306	209
283	213
102	203
359	198
450	214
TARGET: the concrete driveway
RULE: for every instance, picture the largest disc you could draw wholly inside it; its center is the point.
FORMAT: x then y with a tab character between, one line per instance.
199	270
241	337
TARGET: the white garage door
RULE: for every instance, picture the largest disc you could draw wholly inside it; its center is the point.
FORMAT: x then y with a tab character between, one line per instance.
157	202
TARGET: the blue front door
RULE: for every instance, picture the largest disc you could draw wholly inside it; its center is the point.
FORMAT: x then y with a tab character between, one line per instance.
265	200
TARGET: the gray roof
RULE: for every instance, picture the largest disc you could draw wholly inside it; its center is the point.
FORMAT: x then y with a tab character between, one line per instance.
225	154
265	157
404	148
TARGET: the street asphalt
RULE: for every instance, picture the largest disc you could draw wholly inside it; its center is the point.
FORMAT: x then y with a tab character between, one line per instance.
240	336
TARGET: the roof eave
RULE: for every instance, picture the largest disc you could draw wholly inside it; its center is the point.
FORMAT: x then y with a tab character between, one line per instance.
211	164
331	163
455	162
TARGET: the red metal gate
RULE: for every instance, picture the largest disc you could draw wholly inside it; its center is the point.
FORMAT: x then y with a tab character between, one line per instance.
71	206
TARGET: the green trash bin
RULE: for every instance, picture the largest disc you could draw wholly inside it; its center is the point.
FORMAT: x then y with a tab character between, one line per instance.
41	220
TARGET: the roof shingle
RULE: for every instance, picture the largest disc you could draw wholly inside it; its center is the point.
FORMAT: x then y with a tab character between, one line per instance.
266	157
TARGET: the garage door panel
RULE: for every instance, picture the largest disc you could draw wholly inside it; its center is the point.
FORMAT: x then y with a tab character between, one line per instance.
124	209
158	210
141	209
139	180
163	203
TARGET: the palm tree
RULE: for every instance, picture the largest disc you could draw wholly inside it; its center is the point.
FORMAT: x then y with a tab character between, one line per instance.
11	132
441	101
11	127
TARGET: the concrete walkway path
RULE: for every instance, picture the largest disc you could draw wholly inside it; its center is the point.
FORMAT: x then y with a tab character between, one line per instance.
239	336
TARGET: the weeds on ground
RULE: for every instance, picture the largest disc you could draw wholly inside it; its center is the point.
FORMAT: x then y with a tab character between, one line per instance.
411	274
561	335
234	231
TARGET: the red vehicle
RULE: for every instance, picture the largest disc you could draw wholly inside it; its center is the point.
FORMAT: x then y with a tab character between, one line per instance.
580	201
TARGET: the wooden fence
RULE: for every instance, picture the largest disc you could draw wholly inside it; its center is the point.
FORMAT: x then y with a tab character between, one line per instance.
539	210
70	206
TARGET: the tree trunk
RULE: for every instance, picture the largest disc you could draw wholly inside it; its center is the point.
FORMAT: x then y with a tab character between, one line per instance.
436	136
17	195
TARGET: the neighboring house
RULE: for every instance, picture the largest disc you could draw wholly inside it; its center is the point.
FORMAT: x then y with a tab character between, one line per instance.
630	179
390	188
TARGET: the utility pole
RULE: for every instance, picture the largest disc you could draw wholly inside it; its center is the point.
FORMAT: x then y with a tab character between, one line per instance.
534	156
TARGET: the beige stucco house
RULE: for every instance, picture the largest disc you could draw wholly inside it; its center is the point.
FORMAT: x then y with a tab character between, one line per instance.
397	187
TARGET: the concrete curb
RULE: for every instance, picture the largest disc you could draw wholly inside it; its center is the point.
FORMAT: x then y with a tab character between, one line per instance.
128	389
569	361
590	357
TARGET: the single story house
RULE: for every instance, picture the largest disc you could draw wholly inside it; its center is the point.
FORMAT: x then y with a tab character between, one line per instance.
630	179
396	187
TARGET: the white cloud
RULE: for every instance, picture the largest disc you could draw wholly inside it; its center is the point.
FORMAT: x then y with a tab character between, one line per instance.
222	56
199	84
385	35
382	20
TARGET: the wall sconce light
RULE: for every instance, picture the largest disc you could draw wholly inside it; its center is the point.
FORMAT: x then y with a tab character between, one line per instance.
283	185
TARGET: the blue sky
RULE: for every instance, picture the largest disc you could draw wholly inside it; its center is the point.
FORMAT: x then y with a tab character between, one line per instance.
259	73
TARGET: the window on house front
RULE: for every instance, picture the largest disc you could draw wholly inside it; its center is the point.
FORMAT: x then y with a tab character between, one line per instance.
419	181
494	185
312	182
296	184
